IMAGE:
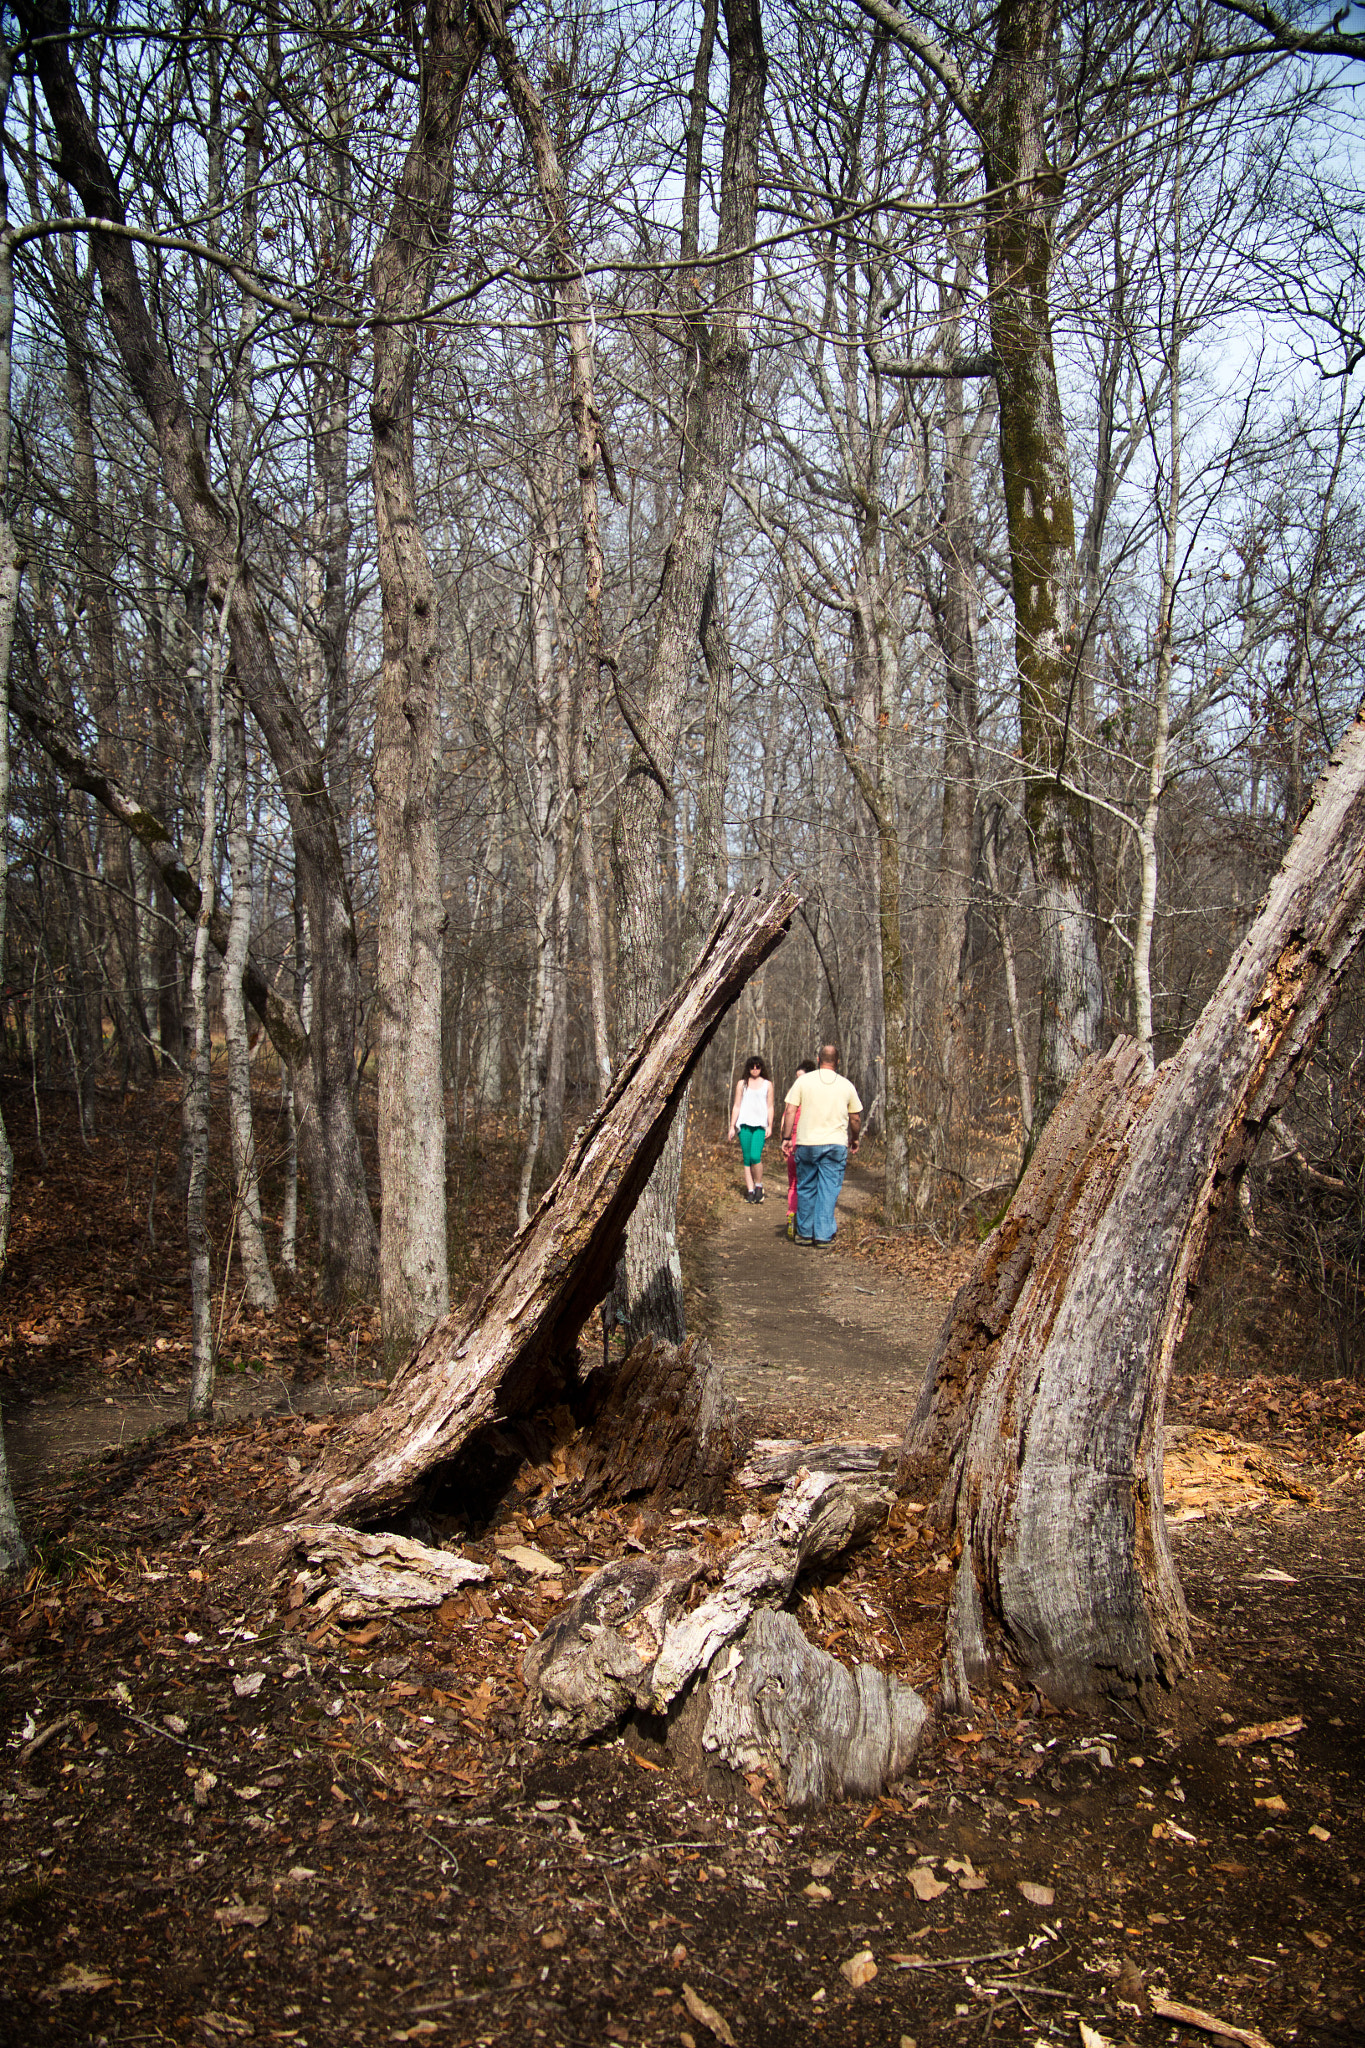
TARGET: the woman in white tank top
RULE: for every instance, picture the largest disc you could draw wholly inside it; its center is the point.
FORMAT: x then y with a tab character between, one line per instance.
751	1116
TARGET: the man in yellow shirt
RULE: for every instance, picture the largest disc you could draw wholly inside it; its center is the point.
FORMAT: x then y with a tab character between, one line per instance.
830	1117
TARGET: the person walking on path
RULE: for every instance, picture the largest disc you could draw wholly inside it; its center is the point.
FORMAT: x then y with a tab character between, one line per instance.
830	1115
789	1153
751	1114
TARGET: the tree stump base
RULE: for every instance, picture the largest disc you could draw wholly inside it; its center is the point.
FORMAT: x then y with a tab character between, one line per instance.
665	1423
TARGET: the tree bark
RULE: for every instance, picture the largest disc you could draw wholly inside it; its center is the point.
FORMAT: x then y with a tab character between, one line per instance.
516	1342
653	1275
1024	189
13	1551
414	1278
1048	1387
260	1288
348	1241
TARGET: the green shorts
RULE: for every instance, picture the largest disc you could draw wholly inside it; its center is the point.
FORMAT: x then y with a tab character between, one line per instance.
751	1138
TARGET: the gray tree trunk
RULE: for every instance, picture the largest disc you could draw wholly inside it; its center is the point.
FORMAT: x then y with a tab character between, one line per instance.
196	1115
260	1288
1023	189
722	347
414	1277
13	1551
1046	1395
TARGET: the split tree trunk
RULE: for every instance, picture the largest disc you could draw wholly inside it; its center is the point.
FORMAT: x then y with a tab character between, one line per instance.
1047	1391
515	1344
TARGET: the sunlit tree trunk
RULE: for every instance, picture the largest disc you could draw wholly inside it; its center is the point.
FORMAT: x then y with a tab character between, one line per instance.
414	1279
1023	190
196	1120
13	1550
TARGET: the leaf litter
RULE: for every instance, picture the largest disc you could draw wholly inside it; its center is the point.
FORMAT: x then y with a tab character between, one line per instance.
366	1831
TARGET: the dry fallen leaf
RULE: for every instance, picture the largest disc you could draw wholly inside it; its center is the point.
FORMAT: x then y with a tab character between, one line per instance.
859	1969
971	1884
1274	1804
1037	1894
823	1865
76	1977
553	1937
818	1891
246	1685
1320	1834
925	1885
1091	2036
708	2016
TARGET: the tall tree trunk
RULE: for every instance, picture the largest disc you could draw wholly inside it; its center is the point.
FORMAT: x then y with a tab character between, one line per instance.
13	1551
1023	191
722	343
201	1056
348	1242
946	1006
1047	1391
260	1288
414	1275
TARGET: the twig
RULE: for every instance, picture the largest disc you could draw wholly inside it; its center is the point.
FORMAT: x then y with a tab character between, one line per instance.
45	1735
991	1955
615	1908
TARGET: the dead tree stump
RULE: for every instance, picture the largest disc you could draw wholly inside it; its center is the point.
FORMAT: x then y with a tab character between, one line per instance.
666	1424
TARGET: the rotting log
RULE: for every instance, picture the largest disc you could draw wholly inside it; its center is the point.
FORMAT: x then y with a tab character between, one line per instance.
514	1346
733	1683
1045	1398
666	1424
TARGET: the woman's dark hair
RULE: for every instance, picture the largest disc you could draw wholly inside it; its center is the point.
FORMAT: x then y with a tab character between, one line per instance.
755	1059
805	1067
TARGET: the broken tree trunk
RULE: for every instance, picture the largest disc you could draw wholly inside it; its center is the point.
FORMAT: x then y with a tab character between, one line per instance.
1045	1397
667	1424
736	1682
515	1344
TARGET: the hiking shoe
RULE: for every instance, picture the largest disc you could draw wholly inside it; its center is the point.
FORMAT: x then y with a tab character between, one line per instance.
791	1227
822	1244
749	1195
797	1237
758	1194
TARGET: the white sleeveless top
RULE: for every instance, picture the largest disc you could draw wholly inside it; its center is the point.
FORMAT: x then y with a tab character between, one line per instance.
753	1104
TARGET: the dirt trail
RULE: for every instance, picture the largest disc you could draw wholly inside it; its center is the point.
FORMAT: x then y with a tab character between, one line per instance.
810	1336
813	1342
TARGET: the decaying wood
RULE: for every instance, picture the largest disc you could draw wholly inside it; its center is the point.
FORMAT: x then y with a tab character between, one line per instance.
626	1645
819	1516
1046	1395
514	1346
773	1460
372	1574
776	1703
584	1671
667	1424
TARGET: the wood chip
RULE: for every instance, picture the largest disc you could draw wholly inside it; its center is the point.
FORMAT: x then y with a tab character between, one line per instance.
1207	2022
1263	1731
859	1969
1037	1894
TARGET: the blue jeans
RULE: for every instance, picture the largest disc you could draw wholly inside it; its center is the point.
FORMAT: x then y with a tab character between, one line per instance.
819	1177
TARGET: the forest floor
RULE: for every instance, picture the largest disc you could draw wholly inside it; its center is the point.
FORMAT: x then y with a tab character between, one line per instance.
223	1818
